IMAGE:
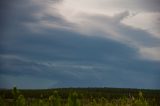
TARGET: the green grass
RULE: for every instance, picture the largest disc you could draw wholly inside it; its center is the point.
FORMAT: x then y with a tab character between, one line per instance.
80	97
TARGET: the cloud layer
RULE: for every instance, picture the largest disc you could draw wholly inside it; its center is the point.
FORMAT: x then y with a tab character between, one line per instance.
65	43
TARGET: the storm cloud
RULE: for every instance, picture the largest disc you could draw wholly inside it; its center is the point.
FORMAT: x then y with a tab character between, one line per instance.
59	45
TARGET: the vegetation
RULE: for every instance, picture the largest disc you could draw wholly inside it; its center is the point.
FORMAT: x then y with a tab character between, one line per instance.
80	97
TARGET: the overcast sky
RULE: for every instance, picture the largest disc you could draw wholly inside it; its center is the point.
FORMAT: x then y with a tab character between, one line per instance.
80	43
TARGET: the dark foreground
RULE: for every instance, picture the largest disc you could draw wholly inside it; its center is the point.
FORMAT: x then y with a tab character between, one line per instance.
80	97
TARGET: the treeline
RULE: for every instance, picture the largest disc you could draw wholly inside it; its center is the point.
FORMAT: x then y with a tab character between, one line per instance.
109	93
80	97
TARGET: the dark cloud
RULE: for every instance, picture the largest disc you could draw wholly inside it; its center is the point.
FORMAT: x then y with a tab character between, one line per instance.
67	45
18	13
41	52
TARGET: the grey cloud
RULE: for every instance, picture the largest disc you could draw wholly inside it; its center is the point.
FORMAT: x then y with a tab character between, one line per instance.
140	5
104	18
119	17
132	5
152	5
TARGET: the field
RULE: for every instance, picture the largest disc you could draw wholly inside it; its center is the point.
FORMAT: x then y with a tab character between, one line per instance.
80	97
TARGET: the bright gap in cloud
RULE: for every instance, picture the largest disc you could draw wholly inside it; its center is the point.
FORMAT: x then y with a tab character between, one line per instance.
152	53
71	9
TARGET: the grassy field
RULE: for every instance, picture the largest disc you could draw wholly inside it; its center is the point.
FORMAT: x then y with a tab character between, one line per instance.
80	97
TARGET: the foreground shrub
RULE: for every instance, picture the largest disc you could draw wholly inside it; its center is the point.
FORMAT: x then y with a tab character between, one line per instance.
73	100
20	101
55	99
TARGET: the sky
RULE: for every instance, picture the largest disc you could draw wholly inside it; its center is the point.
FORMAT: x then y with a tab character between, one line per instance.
80	43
